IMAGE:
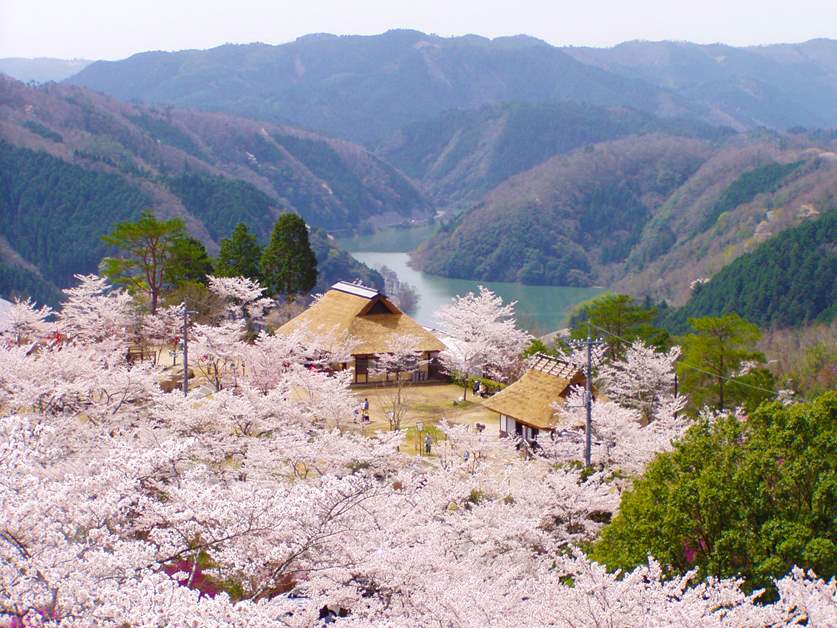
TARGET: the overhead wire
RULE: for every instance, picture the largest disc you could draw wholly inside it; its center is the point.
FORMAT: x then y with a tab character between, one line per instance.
693	367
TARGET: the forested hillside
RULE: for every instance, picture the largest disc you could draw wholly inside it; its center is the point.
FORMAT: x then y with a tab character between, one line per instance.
646	214
54	213
364	88
788	280
21	282
73	163
559	222
762	187
331	183
779	85
459	155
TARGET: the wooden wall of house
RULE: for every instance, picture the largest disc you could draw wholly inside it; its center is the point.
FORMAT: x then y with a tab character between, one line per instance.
511	426
420	374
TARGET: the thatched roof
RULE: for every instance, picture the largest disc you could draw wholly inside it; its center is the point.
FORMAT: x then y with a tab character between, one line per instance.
364	314
529	400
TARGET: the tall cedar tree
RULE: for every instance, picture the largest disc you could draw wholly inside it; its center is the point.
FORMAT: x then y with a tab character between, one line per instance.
189	262
149	246
289	266
240	255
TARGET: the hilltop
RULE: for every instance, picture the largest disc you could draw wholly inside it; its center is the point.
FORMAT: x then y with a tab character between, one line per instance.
366	87
777	85
41	69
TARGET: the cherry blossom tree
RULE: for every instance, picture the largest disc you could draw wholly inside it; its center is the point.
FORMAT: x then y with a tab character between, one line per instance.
244	297
485	336
27	322
121	504
95	314
621	438
218	351
642	380
161	329
400	362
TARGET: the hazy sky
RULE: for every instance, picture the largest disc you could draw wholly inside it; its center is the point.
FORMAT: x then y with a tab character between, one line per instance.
113	29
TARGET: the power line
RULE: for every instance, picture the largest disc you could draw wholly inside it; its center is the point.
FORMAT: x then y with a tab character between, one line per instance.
696	368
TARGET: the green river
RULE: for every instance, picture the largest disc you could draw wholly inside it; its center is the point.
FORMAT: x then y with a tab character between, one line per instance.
540	309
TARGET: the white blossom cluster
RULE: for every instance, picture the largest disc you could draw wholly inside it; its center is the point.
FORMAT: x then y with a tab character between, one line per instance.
254	505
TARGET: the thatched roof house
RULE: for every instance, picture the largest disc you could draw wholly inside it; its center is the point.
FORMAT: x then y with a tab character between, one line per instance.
366	315
526	406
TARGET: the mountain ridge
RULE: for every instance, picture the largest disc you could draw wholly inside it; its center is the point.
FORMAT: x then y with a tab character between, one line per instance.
366	87
75	162
363	87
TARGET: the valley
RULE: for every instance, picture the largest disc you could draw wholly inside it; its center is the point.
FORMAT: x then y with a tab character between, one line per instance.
416	329
540	309
538	170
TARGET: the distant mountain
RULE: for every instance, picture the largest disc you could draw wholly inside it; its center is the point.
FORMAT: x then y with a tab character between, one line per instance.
787	280
778	86
41	69
73	162
364	88
459	155
644	214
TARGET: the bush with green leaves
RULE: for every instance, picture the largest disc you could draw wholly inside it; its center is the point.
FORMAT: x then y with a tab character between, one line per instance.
739	496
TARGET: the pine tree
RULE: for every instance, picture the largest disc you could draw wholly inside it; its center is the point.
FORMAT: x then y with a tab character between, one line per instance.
148	248
713	357
240	255
622	320
289	266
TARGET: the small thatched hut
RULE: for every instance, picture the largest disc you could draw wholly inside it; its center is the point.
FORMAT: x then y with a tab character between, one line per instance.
526	406
366	315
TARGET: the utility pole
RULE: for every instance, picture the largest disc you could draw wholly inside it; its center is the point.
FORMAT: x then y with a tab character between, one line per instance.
186	313
588	401
676	389
588	395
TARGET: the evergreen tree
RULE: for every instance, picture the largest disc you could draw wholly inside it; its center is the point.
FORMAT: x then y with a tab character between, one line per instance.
240	255
289	266
713	358
624	320
189	262
736	498
148	246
